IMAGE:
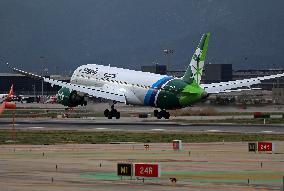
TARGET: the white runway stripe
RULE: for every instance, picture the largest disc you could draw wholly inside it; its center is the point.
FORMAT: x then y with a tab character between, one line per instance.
101	128
267	131
36	127
158	129
213	130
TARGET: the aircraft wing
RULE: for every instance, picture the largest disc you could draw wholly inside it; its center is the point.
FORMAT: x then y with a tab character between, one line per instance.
106	92
231	86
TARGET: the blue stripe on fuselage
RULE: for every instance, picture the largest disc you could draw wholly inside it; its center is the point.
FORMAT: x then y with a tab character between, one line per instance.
151	93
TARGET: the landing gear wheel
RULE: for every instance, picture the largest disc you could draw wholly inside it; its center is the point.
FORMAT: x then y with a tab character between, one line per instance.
156	113
167	115
117	115
112	113
159	115
162	114
106	113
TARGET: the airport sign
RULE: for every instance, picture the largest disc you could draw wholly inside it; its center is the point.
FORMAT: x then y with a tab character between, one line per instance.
177	145
147	170
252	147
124	169
264	146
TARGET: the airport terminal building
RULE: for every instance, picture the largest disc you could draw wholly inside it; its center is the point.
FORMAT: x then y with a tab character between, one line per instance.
24	85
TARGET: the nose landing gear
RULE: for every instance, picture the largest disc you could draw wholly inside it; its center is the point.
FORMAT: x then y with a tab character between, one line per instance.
112	113
161	114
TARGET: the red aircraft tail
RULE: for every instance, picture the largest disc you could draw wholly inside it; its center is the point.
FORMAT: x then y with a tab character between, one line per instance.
11	93
7	104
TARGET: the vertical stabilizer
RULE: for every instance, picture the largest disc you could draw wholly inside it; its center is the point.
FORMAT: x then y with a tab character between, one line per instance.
11	93
195	68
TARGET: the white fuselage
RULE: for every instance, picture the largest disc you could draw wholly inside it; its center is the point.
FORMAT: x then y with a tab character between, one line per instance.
135	84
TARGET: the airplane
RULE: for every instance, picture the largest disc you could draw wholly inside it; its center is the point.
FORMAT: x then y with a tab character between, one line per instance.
143	88
8	96
5	100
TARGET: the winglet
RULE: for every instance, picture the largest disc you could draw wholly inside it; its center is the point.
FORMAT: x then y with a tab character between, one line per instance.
31	75
8	65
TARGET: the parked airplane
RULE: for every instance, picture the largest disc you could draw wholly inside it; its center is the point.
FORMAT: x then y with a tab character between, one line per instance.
9	96
5	100
143	88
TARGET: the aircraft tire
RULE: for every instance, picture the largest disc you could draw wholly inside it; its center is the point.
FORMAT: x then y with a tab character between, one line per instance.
159	115
167	115
117	115
106	113
156	112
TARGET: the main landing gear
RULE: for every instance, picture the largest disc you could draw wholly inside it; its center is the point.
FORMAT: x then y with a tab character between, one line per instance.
112	113
161	114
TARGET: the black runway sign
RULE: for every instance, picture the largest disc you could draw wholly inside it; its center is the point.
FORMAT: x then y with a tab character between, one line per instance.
124	169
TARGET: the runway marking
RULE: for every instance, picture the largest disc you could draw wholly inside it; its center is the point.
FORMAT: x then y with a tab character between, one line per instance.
213	130
36	127
267	131
101	128
158	129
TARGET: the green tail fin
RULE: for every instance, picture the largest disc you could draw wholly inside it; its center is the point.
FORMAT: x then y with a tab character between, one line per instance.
195	68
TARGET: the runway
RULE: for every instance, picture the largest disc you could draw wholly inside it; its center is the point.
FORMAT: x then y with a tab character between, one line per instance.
126	125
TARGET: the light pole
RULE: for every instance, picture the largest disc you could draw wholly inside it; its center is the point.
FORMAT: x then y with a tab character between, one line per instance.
168	52
44	72
42	69
34	92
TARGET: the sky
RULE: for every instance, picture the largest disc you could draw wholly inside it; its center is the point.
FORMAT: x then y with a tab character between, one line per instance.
61	35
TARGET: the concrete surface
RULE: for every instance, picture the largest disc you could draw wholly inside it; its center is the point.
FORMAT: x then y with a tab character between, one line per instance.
213	166
135	124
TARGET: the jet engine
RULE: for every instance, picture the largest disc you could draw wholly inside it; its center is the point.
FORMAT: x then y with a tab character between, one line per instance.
70	98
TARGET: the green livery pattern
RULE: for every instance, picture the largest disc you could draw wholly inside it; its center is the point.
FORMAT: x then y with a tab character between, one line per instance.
63	96
179	93
195	68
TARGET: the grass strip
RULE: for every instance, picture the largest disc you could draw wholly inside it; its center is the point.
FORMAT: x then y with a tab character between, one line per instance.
63	137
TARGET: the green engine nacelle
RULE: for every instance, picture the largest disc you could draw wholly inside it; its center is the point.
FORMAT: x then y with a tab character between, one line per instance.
70	98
